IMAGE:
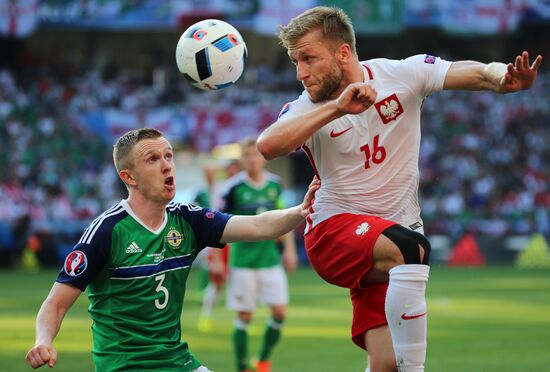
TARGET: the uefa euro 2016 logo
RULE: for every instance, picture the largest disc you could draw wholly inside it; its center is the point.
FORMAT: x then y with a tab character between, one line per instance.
75	263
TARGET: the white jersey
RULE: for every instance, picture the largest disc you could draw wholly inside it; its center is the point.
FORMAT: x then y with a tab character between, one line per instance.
368	163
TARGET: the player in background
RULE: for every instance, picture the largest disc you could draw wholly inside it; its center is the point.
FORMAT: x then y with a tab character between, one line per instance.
213	271
255	271
135	258
359	123
202	198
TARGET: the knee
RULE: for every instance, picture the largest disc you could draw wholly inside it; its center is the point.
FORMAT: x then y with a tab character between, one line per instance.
278	314
245	317
414	247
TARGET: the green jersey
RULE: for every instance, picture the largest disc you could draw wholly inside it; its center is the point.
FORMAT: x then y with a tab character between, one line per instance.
136	284
241	196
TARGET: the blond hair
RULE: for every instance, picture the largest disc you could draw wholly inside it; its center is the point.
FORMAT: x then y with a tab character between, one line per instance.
124	145
334	23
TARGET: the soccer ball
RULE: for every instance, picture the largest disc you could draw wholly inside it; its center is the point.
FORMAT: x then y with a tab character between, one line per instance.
211	54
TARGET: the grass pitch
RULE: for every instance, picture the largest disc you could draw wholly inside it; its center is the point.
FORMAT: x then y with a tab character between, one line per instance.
491	319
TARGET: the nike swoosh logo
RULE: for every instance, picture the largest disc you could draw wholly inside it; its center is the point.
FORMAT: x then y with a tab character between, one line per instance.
334	134
409	317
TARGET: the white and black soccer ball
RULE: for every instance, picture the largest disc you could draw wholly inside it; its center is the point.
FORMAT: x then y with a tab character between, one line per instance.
211	54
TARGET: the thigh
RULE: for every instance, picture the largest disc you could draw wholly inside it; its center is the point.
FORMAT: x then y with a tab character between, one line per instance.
341	248
380	349
242	289
273	286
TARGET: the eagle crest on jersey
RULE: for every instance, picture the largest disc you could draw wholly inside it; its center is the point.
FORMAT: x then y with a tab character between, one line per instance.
389	108
374	171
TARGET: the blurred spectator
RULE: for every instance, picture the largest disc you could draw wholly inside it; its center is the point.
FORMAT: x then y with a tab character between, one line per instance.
484	161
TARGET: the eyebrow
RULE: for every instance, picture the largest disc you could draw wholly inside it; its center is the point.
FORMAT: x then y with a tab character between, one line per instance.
153	150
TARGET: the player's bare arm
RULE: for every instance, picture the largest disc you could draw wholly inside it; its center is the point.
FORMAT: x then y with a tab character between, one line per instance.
495	76
290	257
286	135
48	322
271	224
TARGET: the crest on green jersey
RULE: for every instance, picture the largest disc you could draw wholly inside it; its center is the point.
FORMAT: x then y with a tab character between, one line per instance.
174	238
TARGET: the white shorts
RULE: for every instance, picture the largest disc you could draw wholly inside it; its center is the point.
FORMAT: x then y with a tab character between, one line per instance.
247	287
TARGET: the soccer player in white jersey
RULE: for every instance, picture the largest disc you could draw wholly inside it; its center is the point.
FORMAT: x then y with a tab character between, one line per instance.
135	258
364	231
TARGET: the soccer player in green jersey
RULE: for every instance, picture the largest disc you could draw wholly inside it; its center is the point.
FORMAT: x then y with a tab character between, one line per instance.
255	271
134	260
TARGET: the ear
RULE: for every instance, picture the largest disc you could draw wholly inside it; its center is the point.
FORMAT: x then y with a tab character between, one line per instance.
344	53
127	177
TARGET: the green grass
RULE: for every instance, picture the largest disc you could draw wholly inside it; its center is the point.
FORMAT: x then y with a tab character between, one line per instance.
492	319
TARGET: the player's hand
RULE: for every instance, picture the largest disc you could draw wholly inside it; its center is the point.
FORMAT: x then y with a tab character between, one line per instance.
356	98
290	260
40	355
308	198
520	75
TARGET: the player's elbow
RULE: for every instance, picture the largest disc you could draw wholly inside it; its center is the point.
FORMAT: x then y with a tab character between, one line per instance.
267	147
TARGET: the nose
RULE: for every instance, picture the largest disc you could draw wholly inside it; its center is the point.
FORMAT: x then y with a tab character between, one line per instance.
301	71
167	165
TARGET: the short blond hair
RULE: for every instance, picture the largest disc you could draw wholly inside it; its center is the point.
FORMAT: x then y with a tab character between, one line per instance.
334	23
124	145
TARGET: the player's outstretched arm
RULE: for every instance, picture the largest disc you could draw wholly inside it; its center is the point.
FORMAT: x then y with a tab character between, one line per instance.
495	76
48	322
286	135
271	224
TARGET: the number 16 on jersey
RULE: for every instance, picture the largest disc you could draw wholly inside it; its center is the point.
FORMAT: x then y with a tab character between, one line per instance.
377	154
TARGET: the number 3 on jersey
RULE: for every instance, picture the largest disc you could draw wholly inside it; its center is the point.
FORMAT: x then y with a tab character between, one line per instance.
158	304
378	154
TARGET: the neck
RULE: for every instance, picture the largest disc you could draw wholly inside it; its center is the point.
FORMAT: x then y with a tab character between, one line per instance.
149	212
256	177
354	74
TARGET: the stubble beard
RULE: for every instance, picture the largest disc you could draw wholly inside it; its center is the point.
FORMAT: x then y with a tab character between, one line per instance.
330	84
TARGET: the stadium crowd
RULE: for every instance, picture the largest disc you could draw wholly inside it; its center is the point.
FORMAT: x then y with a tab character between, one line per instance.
485	166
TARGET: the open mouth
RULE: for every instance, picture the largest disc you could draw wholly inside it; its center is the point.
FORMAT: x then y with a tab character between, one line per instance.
169	182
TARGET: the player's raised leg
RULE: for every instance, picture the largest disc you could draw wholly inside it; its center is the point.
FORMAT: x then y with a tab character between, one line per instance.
404	254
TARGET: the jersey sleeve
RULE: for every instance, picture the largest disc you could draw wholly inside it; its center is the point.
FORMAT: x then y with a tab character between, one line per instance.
87	258
299	106
427	73
207	224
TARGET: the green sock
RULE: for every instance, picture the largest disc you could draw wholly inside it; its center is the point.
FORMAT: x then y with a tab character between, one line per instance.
271	337
240	347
